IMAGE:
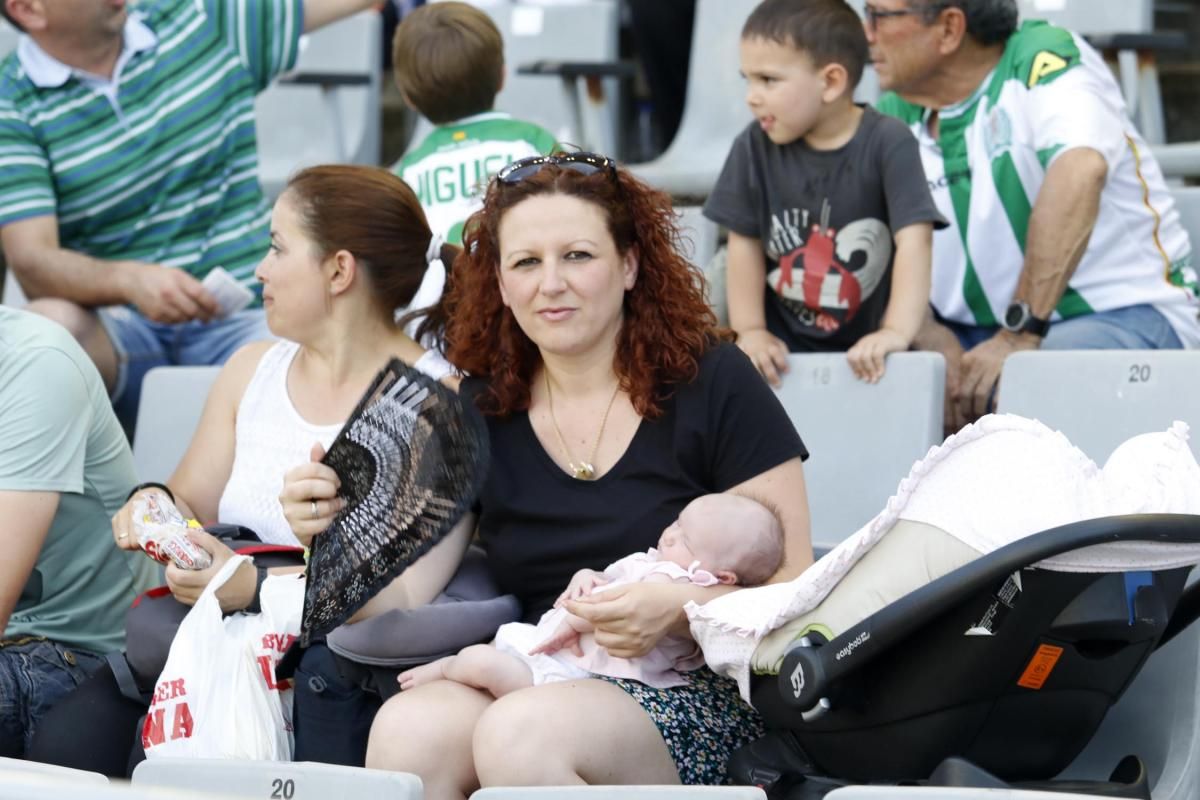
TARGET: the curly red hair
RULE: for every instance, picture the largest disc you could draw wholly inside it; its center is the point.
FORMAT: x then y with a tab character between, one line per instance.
667	324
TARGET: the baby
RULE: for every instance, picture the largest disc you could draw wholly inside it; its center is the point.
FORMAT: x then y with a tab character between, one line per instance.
718	538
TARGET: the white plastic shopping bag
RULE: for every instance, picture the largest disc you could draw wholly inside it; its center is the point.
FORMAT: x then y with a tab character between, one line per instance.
217	696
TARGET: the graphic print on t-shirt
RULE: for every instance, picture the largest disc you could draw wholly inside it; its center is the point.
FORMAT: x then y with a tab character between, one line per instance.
824	275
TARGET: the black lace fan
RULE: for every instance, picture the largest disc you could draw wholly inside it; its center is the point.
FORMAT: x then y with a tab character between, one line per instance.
411	459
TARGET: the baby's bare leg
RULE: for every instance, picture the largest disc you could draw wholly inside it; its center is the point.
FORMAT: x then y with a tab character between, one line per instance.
484	667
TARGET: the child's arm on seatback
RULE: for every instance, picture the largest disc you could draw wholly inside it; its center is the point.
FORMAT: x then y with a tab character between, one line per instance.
906	307
746	278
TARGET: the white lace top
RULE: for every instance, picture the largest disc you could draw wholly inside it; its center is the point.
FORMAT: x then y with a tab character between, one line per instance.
271	438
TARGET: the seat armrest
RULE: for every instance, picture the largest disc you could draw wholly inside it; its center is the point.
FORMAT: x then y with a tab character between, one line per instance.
578	69
1165	41
326	80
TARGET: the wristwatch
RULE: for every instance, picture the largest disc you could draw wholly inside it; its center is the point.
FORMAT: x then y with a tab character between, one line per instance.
1018	318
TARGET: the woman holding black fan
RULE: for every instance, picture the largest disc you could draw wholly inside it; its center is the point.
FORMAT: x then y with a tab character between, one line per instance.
349	246
611	401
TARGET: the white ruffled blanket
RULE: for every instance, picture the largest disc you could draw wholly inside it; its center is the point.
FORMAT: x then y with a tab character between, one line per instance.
995	481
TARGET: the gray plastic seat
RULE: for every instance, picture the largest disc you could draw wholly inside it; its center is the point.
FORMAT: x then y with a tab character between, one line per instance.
862	438
326	110
945	793
171	403
8	38
700	235
584	31
30	786
1179	160
1100	398
1157	719
10	292
12	768
1187	205
715	109
289	780
619	793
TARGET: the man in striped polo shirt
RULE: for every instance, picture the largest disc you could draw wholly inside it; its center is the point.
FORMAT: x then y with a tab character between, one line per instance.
1062	232
128	150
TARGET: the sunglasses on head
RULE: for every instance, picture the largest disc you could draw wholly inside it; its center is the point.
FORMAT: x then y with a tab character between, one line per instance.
583	163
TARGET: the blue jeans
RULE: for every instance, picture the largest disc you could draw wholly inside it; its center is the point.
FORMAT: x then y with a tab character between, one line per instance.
142	345
1130	328
34	675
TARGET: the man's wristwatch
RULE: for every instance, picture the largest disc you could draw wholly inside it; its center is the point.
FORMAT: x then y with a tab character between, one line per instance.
1018	318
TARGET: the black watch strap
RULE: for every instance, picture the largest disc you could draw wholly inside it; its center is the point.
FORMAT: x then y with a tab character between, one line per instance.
255	605
1036	325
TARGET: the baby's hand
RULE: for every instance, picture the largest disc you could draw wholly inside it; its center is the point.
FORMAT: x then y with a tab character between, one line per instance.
581	585
867	355
565	637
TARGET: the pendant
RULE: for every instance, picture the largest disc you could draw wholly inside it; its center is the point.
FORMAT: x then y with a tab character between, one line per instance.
583	472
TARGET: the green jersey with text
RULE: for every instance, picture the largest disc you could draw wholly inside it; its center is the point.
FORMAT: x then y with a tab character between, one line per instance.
1050	93
450	169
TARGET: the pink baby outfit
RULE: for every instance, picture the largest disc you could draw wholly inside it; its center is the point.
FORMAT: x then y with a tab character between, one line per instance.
660	668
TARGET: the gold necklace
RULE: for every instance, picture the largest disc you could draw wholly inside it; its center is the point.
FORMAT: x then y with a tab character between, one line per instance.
584	470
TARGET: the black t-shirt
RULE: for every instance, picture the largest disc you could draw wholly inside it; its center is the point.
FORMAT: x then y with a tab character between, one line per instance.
826	220
539	525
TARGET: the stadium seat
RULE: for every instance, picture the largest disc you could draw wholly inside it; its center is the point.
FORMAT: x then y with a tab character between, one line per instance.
700	235
946	793
12	768
1178	160
1158	718
303	780
1187	204
862	438
171	403
585	30
619	793
326	110
30	786
10	292
1100	398
581	31
714	110
8	38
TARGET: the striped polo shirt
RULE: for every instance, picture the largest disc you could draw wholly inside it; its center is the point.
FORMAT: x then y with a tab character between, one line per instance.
1049	93
159	164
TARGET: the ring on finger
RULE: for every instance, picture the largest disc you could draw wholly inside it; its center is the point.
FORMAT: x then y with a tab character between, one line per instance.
122	535
314	508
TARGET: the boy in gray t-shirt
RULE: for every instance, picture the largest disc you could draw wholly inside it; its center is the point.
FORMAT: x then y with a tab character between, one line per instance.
830	218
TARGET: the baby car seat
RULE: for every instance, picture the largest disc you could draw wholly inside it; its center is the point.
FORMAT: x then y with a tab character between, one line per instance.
997	673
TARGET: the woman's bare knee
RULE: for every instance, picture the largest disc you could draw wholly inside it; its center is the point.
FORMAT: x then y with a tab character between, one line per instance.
572	732
80	321
427	731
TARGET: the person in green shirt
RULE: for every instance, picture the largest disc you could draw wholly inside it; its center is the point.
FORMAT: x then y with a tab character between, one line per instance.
65	468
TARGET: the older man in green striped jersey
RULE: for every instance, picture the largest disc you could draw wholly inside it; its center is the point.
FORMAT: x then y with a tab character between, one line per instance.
128	150
1063	234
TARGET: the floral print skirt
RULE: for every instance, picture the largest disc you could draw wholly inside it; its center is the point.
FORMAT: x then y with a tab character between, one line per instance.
702	723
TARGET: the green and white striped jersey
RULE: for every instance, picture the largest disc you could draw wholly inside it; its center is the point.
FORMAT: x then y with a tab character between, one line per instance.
159	164
450	169
1050	92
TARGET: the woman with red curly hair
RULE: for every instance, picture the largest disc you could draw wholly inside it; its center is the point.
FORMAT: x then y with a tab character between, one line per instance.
612	400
